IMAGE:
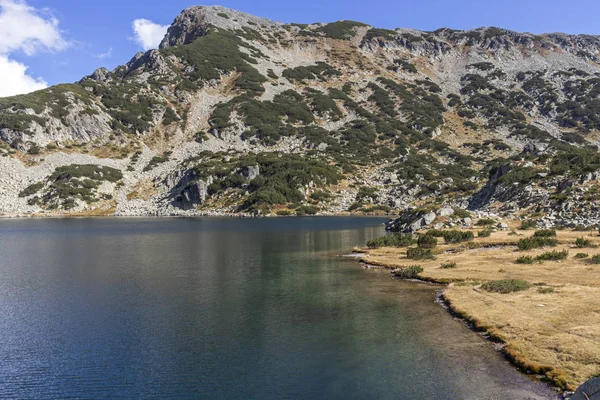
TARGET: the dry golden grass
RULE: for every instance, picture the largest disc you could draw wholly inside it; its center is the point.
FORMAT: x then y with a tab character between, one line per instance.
553	334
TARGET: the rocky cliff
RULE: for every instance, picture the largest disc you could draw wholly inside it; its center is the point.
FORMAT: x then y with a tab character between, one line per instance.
239	114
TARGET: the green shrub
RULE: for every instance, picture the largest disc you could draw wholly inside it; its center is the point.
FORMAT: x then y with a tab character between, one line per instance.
427	242
417	253
553	256
449	265
31	189
583	228
284	213
528	224
461	213
307	210
525	260
583	243
536	243
485	233
485	222
581	255
411	272
545	233
395	240
435	233
455	236
506	286
595	259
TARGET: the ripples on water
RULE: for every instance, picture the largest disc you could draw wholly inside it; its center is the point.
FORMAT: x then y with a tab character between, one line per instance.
225	309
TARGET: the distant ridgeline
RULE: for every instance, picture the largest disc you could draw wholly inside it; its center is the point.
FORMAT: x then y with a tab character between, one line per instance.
239	114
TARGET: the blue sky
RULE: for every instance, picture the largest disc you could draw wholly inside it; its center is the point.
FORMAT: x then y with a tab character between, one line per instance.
100	33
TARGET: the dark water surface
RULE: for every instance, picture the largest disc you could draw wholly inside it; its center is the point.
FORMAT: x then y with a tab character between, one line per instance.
226	309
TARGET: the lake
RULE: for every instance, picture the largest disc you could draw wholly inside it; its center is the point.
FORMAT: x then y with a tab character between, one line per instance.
217	308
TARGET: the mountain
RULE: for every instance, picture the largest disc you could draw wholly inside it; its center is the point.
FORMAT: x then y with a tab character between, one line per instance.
239	114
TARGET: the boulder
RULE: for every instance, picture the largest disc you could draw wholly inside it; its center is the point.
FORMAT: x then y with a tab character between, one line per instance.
446	212
588	391
251	172
467	221
502	226
429	218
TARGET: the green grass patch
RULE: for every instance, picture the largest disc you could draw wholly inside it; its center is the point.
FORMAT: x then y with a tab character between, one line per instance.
506	286
411	272
395	240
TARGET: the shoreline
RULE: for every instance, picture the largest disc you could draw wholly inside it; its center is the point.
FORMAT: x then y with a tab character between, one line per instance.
497	343
549	330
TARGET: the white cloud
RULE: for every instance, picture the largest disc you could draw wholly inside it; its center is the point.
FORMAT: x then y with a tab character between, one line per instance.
102	56
148	34
14	78
24	28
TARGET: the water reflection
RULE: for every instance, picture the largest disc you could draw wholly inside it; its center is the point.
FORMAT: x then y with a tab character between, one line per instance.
224	308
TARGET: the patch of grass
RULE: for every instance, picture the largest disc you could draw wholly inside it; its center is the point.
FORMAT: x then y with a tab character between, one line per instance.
528	224
427	242
283	213
536	243
485	233
449	265
307	210
455	236
417	253
31	189
595	259
545	290
506	286
582	243
435	233
545	233
411	272
485	222
395	240
525	260
581	256
553	256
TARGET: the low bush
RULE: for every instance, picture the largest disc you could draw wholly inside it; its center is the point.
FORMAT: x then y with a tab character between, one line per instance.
427	242
528	224
435	233
485	222
284	213
461	213
581	255
506	286
417	253
411	272
307	210
536	243
455	236
583	243
553	256
525	260
595	259
395	240
485	233
544	233
449	265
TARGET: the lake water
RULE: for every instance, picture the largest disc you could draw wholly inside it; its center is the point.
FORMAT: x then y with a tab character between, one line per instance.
226	309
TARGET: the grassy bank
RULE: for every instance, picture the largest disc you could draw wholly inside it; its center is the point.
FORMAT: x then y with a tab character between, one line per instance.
542	303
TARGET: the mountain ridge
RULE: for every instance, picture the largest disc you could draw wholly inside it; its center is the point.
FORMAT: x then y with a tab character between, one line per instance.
370	120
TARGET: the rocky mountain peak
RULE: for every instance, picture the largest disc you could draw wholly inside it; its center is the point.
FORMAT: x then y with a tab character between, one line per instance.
194	22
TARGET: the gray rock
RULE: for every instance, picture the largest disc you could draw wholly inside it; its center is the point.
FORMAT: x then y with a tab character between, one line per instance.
502	226
251	172
446	212
429	218
588	391
467	221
